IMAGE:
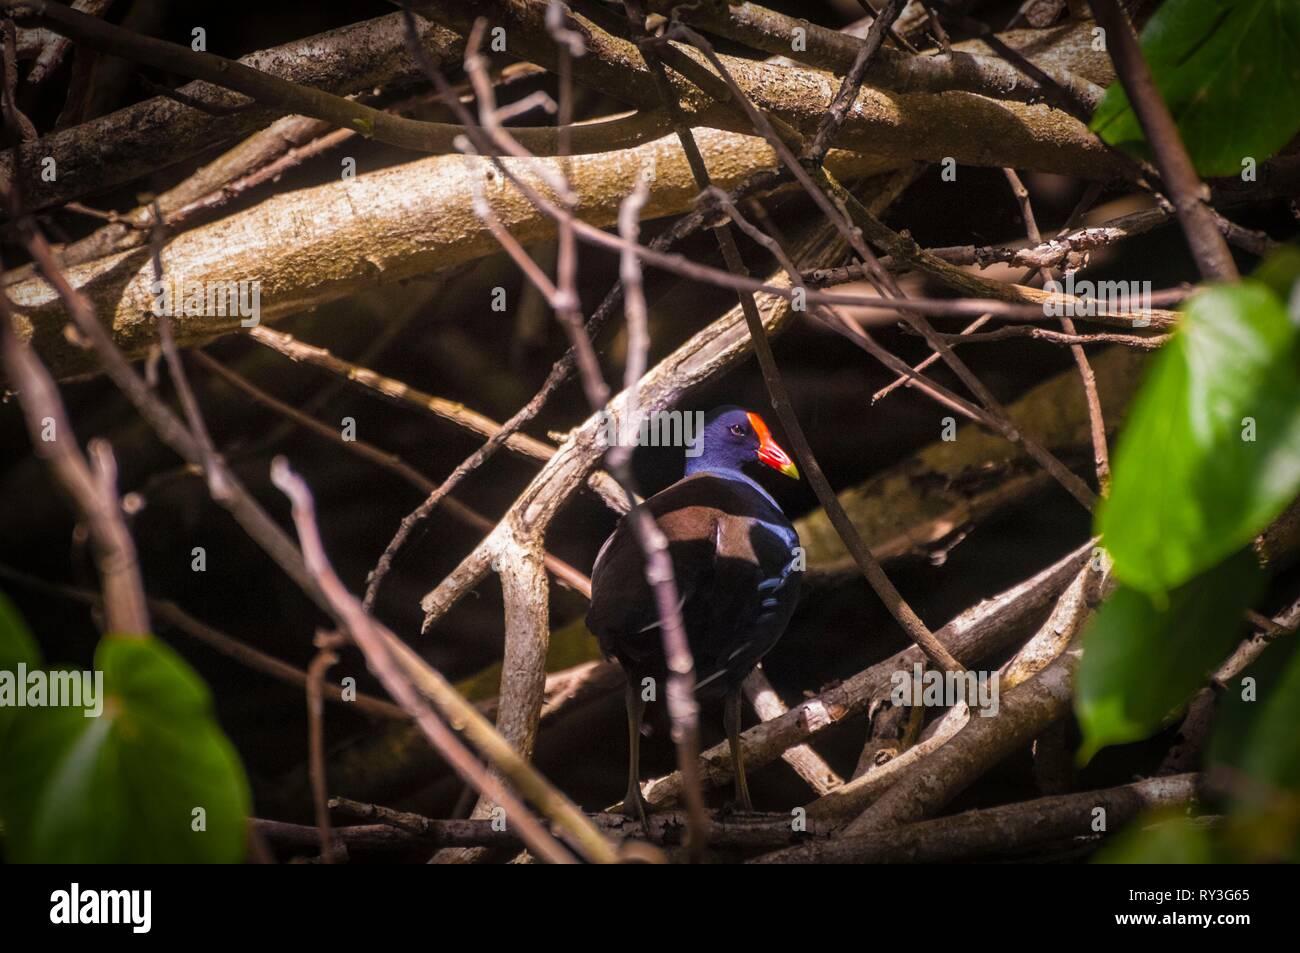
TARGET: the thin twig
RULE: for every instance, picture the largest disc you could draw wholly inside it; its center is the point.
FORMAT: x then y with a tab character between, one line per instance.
1072	94
350	616
879	581
189	403
936	27
91	484
273	91
1194	730
1096	423
13	116
1072	242
325	657
848	91
562	570
173	615
407	676
1176	168
1152	343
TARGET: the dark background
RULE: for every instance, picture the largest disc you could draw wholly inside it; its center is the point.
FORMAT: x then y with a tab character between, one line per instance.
453	345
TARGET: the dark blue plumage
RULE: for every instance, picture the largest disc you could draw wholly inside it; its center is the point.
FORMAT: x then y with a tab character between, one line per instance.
734	555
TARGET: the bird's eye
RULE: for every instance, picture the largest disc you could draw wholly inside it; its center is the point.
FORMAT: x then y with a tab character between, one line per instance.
738	430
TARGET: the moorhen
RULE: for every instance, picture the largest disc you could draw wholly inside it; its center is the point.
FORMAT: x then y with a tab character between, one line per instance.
736	561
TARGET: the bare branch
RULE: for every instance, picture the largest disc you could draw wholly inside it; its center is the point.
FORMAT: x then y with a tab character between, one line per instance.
806	762
349	614
997	830
91	485
168	613
157	132
269	90
325	657
981	631
405	674
848	91
1097	426
1189	194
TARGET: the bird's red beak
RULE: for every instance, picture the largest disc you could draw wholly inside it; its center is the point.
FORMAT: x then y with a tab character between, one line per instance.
769	451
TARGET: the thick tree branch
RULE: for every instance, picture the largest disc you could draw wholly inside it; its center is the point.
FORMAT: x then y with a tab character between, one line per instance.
1036	691
997	830
899	125
978	633
316	245
149	135
954	71
806	762
270	91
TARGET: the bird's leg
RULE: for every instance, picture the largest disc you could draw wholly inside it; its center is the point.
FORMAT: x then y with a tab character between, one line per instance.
633	802
731	722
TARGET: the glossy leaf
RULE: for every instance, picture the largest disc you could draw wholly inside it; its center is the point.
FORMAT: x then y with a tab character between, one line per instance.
1143	657
1160	837
1271	752
1210	453
1228	71
1281	272
16	641
125	786
16	647
1255	752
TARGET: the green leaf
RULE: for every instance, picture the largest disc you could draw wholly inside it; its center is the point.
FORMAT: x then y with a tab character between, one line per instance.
1228	71
1237	711
16	641
1281	271
1160	837
1271	754
17	646
1255	751
1210	453
1142	660
124	786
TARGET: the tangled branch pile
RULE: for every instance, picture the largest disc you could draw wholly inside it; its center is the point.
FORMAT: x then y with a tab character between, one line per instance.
320	299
